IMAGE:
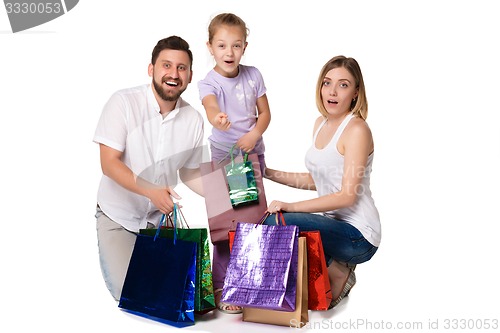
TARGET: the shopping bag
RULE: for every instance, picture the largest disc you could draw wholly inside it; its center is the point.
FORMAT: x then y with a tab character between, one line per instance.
232	232
160	280
262	269
319	289
320	292
222	216
297	318
204	291
241	181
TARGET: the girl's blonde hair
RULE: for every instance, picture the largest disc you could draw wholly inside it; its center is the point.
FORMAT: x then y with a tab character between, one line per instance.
228	19
359	106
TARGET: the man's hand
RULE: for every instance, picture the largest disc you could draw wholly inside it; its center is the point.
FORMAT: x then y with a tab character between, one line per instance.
162	198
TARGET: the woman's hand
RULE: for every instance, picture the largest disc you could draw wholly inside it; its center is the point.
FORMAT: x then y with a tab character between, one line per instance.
277	206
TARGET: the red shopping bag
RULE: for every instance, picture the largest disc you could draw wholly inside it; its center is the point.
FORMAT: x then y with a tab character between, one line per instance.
320	291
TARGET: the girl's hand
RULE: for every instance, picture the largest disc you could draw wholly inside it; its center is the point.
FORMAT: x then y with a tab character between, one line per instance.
247	142
221	122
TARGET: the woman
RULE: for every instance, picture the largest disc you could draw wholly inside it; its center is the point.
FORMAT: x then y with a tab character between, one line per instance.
339	164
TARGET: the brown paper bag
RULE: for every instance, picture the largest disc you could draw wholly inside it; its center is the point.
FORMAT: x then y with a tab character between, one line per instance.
297	318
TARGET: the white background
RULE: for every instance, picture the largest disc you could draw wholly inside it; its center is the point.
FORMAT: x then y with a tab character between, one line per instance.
431	71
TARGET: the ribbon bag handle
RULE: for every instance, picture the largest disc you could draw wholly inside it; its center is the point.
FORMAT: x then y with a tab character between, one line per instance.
174	221
177	212
264	217
230	153
280	218
163	222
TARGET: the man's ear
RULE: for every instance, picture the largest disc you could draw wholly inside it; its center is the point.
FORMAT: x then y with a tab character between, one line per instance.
150	70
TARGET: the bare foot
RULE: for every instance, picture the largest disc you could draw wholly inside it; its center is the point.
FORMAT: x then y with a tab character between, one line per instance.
338	274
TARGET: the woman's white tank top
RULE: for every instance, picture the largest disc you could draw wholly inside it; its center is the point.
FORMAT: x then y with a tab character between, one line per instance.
326	166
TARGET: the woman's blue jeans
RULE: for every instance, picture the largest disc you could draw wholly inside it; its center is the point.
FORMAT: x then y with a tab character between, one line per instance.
342	242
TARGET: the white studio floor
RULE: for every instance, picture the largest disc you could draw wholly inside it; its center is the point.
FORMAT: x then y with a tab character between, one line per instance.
217	321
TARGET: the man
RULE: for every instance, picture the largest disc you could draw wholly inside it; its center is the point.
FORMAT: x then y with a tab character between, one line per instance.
145	134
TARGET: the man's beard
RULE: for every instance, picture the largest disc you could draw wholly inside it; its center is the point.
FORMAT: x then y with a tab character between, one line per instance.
167	95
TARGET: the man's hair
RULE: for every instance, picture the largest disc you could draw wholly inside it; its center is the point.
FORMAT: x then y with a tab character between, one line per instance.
172	43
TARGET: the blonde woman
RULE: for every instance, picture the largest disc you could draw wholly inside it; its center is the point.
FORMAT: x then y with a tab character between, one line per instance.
339	162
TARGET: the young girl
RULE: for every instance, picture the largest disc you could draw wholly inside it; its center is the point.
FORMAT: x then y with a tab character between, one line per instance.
234	97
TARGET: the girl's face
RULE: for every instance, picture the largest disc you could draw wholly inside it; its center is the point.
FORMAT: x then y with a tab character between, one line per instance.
227	47
338	91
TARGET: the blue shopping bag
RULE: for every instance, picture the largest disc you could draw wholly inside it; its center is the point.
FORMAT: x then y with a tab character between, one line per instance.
160	281
175	225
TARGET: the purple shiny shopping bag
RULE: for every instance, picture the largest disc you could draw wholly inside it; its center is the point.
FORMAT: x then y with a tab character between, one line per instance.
262	269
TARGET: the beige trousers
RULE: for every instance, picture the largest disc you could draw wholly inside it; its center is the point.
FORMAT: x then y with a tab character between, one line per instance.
115	249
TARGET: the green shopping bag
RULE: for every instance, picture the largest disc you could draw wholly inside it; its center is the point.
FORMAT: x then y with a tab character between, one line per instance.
204	292
241	182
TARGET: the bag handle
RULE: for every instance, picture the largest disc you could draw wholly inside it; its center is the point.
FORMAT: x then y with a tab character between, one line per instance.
162	221
280	218
168	222
177	212
245	158
263	218
177	217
